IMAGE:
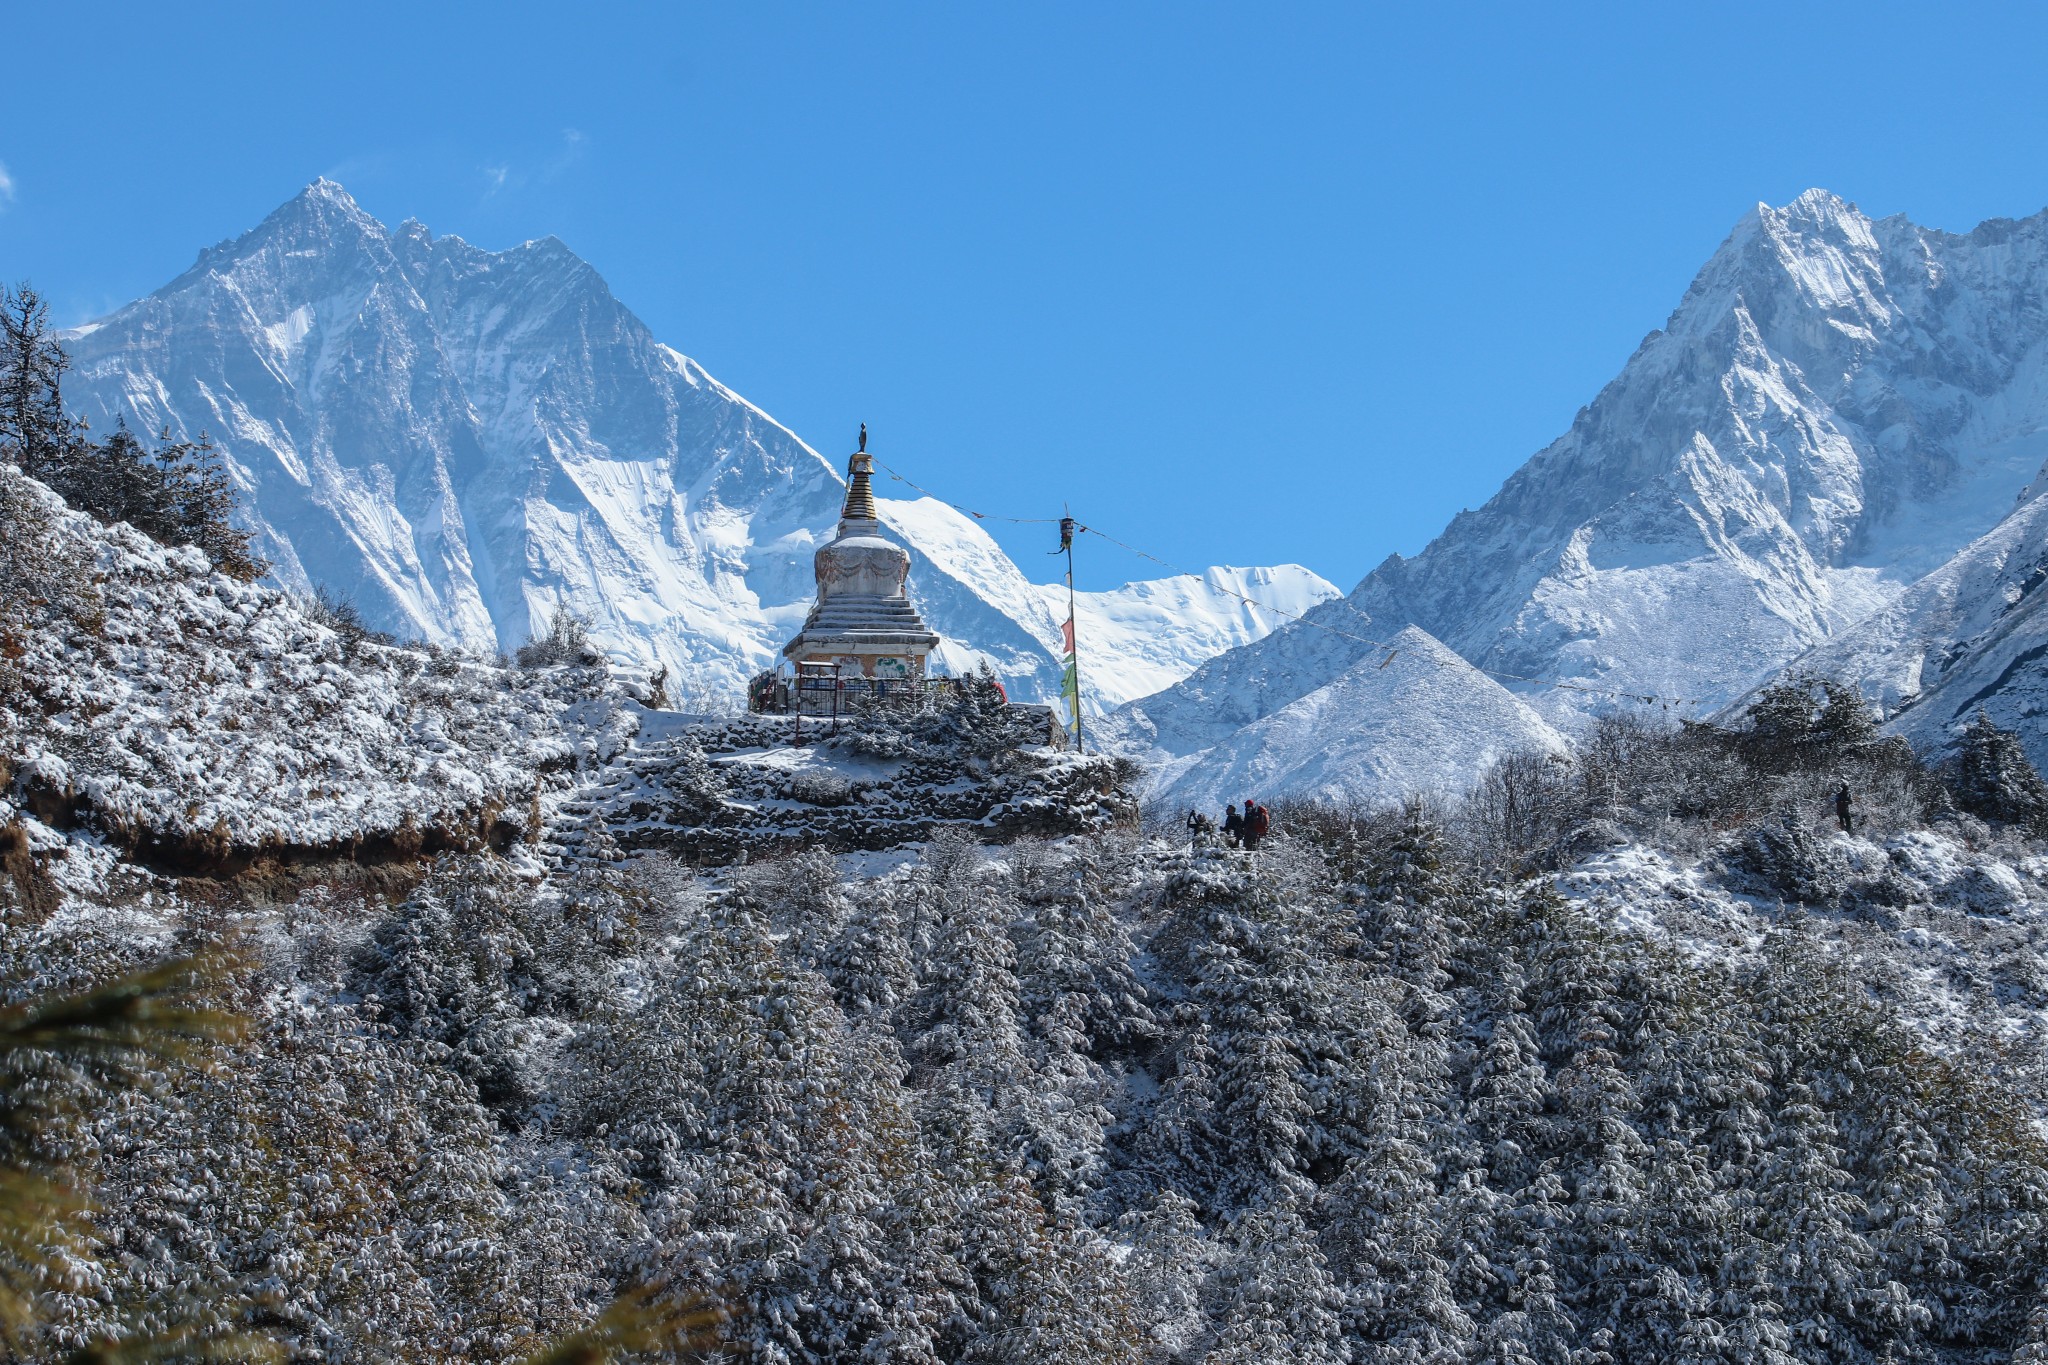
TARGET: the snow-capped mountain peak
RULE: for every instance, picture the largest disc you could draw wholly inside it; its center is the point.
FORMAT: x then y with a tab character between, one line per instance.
1836	406
1414	718
466	441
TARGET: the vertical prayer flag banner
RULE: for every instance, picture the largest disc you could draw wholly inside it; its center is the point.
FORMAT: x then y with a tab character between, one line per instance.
1070	679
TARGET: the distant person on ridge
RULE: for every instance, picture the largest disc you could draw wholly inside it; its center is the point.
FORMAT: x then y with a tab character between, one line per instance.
1256	823
1233	825
1842	810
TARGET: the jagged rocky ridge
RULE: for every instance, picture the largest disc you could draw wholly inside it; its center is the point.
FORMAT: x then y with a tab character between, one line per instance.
1836	408
464	442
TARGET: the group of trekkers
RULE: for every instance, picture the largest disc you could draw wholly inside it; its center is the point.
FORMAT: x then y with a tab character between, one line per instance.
1239	830
1245	829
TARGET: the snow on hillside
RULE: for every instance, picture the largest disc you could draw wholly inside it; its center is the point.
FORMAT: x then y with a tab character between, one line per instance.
1105	1097
201	724
1145	636
464	442
1968	636
1836	407
755	788
1953	947
1417	719
199	719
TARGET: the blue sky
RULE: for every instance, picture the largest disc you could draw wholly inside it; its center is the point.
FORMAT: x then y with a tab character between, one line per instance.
1242	283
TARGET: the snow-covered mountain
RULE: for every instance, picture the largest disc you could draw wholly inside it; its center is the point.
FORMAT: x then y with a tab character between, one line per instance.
463	441
1415	720
1969	635
1836	408
1144	636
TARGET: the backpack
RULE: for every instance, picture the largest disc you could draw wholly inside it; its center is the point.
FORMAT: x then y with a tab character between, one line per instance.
1259	821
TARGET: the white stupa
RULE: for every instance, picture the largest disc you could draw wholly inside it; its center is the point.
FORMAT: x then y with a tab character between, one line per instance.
862	621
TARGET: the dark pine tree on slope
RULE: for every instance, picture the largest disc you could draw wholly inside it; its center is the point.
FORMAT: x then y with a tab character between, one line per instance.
178	493
1993	778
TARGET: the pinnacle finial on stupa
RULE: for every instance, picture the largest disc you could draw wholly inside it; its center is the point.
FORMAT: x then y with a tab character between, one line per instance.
860	493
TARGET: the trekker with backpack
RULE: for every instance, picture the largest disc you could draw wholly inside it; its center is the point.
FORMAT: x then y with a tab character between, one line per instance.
1256	823
1233	825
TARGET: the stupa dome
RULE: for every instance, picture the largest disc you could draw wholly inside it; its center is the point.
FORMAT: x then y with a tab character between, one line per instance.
861	562
863	621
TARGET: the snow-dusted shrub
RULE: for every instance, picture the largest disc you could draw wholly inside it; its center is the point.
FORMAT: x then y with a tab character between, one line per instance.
1803	720
816	787
801	895
1788	859
43	571
1988	887
981	721
1526	801
1926	859
454	965
1349	836
1684	786
567	641
1993	778
341	615
694	775
1594	836
881	731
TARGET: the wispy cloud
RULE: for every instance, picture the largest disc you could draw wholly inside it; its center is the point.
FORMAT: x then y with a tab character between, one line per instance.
6	188
538	167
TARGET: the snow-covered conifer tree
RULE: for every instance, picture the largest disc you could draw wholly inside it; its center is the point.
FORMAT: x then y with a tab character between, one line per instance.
869	963
1994	779
1271	1295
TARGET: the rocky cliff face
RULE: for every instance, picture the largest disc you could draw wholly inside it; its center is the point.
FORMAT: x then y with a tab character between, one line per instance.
1837	406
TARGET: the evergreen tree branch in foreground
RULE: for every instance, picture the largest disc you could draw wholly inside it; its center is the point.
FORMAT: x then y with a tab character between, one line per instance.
156	1017
53	1049
641	1320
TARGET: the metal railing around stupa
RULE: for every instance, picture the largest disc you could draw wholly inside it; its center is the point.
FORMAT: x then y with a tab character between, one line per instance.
820	690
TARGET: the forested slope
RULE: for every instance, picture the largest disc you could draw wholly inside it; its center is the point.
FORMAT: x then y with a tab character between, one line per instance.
909	1044
1390	1091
